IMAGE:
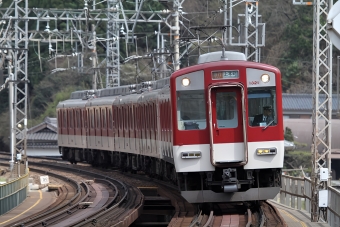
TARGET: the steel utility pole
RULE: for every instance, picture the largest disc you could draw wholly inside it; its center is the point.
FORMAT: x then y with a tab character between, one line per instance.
177	10
17	54
112	44
94	58
322	111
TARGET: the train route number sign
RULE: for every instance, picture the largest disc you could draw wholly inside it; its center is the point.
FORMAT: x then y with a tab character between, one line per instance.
44	180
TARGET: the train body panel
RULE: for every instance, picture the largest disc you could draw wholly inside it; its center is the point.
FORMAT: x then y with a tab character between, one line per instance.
192	158
208	196
273	158
228	152
201	128
70	134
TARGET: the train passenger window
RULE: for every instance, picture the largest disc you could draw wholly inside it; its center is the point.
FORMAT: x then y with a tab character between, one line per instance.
110	118
262	106
104	118
97	116
64	119
226	110
78	119
71	118
191	113
92	118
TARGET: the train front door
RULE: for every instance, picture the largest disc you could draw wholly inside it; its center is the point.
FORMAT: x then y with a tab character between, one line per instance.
227	125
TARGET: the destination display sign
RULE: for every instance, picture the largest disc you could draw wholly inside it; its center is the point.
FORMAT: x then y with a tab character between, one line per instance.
220	75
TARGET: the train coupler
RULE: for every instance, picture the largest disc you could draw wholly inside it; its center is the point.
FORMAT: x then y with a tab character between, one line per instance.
230	182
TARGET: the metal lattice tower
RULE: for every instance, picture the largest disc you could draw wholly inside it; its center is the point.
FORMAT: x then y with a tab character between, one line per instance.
252	50
112	44
251	34
16	46
322	103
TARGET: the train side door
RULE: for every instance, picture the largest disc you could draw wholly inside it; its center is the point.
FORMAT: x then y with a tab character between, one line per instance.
227	125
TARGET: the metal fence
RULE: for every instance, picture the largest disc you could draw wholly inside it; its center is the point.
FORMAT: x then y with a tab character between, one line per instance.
13	193
296	193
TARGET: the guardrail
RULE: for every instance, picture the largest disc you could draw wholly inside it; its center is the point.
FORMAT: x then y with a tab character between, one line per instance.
296	193
13	193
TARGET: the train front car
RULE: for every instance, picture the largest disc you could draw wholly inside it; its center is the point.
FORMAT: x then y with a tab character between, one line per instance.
222	152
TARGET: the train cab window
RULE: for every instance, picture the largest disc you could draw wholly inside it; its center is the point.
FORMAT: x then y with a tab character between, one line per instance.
262	106
191	113
226	110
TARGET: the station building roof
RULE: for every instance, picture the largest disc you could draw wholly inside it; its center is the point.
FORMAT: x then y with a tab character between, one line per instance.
304	102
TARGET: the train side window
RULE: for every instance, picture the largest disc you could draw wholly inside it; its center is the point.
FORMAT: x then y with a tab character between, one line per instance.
78	119
121	119
262	106
64	118
110	118
155	117
104	118
131	118
92	118
97	117
191	110
84	118
71	118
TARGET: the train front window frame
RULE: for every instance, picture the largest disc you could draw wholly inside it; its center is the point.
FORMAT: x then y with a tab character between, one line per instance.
260	100
191	110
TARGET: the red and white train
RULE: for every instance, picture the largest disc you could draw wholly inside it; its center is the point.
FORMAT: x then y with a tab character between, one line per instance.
194	128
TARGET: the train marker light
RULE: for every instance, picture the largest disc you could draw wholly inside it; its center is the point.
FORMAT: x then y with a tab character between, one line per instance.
265	78
191	154
265	151
185	82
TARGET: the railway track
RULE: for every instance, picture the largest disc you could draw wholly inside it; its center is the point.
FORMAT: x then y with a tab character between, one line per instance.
102	202
263	215
183	213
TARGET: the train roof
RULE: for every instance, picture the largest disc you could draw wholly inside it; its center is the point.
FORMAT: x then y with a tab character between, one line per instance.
121	90
81	94
102	101
72	103
220	56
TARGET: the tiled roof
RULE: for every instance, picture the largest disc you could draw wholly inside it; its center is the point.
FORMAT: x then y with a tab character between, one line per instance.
304	101
50	123
42	135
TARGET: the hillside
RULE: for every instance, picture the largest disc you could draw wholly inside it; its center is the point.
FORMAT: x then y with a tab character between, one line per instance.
288	46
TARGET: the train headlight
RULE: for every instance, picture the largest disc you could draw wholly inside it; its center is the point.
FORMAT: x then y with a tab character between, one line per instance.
185	82
265	151
265	78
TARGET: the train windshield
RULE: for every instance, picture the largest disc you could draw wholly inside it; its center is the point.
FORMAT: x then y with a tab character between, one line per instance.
262	106
191	112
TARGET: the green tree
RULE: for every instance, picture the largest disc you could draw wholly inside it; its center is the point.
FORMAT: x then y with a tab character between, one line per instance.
289	134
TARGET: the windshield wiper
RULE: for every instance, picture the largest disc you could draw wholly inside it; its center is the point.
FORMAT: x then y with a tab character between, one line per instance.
268	125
